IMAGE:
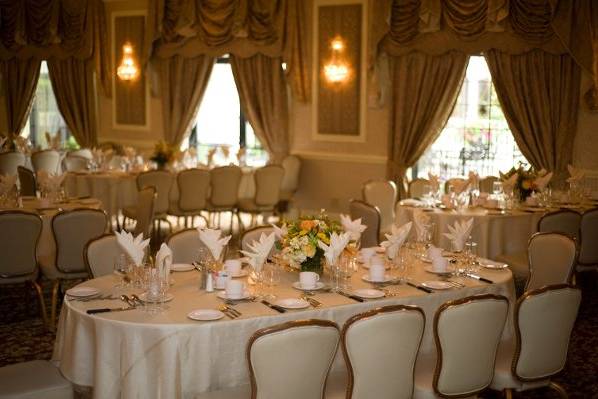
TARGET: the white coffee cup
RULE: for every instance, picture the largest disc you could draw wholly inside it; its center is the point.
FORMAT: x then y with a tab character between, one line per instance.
234	289
308	280
440	264
377	272
376	260
233	266
220	279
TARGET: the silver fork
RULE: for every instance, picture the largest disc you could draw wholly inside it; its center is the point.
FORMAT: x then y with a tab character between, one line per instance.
224	309
312	301
230	307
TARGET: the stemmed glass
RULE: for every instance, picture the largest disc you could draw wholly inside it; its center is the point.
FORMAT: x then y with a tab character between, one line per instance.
270	278
471	255
122	269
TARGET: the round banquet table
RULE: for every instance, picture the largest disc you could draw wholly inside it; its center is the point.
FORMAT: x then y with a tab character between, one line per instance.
46	246
138	354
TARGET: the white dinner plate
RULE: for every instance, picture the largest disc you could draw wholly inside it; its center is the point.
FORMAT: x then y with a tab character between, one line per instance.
181	267
242	273
205	314
368	293
430	269
82	292
319	286
222	295
143	297
438	285
292	303
366	277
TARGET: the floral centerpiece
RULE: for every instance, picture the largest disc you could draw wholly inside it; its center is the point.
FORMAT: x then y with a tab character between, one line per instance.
525	185
299	243
163	154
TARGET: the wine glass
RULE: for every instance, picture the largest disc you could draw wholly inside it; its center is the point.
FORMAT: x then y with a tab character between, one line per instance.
121	269
497	188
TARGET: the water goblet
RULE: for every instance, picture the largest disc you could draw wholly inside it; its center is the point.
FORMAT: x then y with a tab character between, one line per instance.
122	269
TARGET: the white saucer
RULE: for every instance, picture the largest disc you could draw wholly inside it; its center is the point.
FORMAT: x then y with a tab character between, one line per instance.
366	277
82	292
430	269
181	267
493	265
319	286
366	265
242	273
292	303
222	295
143	296
205	314
438	285
368	293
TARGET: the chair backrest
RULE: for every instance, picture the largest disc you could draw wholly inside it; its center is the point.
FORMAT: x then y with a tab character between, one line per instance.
48	160
417	188
382	367
383	195
72	230
450	182
224	182
273	352
370	217
588	250
254	234
10	161
19	234
467	332
184	245
75	163
487	184
27	181
83	153
100	254
146	199
552	259
292	168
161	180
544	319
267	185
563	221
194	187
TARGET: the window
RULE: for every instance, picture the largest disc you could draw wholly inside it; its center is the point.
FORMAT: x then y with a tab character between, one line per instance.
45	116
220	121
476	136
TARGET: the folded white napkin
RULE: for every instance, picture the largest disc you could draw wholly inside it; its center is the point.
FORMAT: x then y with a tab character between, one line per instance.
259	250
211	238
281	231
353	227
508	183
459	233
7	182
421	221
434	181
211	153
134	247
338	242
575	174
395	240
542	180
164	261
50	181
459	186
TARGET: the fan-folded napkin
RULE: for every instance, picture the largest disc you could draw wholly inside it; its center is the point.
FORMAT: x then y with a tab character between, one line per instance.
542	180
459	233
508	183
211	238
353	227
134	247
164	261
434	182
211	153
259	250
575	174
338	242
395	240
281	231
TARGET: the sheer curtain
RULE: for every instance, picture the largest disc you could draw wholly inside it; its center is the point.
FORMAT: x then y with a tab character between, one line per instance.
19	80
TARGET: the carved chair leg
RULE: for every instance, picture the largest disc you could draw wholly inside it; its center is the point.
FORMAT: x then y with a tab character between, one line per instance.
55	288
561	391
42	303
508	393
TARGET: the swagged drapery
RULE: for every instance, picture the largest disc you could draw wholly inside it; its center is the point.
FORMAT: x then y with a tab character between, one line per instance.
274	29
524	28
71	35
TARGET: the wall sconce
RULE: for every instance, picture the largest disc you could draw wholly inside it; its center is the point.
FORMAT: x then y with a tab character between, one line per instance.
127	70
337	70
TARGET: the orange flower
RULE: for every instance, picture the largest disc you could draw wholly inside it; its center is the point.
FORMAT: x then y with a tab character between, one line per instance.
526	184
307	225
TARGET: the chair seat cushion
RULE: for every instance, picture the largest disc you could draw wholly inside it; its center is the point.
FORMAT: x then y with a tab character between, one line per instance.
52	273
242	392
37	379
249	205
19	279
503	376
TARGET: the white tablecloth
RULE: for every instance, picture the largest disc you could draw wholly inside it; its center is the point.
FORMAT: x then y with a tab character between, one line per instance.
134	354
495	233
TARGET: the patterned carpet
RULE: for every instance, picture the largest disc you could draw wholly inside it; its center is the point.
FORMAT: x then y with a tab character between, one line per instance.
23	338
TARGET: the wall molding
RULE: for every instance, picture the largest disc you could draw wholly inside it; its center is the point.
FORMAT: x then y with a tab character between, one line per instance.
340	157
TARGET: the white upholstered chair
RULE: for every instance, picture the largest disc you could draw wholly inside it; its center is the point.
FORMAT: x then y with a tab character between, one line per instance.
100	254
75	163
588	235
418	188
27	182
370	217
383	195
37	379
487	184
72	230
467	332
290	181
267	192
83	153
224	190
380	348
184	245
276	353
19	234
552	258
543	320
194	188
46	160
248	236
146	200
9	161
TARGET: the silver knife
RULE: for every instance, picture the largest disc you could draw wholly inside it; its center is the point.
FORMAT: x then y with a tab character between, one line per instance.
105	310
476	277
279	309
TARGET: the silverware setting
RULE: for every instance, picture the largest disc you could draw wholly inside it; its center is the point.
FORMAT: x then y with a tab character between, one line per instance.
312	301
229	311
95	298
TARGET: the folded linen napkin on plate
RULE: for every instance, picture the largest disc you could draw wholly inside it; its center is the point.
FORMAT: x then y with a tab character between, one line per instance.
575	174
542	180
434	182
7	182
133	247
164	261
508	183
459	233
353	227
395	240
213	240
259	250
338	242
421	221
